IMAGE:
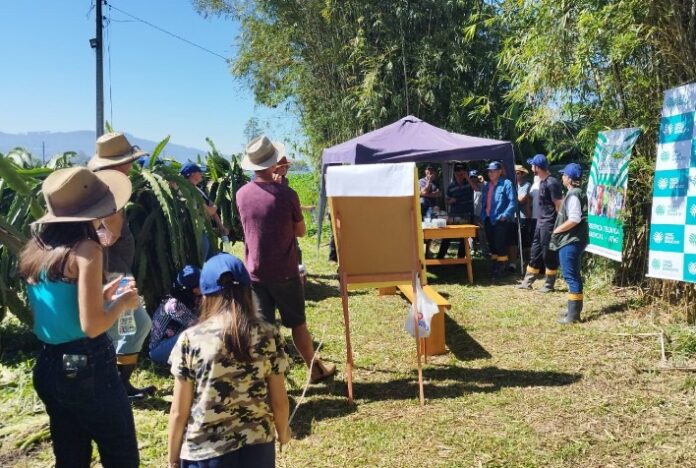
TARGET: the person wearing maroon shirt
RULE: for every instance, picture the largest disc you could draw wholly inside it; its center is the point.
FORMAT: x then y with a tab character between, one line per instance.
272	219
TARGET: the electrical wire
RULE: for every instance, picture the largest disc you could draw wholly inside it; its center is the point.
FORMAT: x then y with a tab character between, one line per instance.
176	36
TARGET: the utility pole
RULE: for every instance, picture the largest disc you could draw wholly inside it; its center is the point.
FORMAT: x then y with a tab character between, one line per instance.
96	44
43	152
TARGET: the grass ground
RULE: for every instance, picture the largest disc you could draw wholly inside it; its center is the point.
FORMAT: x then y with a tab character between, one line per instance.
515	389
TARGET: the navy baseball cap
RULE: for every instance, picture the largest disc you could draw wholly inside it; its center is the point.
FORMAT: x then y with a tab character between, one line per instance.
190	168
189	277
217	266
494	166
539	160
473	173
573	170
459	167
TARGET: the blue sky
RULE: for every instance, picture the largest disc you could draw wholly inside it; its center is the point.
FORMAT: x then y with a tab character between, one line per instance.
159	85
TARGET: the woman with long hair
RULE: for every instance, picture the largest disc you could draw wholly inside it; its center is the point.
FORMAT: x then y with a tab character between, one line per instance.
230	401
75	375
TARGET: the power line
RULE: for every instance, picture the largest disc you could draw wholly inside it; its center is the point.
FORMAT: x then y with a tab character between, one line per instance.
176	36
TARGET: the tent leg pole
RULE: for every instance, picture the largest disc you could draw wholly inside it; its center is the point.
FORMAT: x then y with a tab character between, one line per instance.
346	326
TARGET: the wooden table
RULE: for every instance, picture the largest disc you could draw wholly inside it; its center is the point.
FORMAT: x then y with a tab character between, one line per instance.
453	231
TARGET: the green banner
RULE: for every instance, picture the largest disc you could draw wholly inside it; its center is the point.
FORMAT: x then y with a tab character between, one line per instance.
606	191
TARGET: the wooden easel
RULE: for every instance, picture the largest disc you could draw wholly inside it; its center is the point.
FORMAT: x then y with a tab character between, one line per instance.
367	260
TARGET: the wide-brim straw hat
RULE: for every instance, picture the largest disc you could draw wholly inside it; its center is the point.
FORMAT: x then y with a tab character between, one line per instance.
284	161
113	149
77	194
521	168
262	153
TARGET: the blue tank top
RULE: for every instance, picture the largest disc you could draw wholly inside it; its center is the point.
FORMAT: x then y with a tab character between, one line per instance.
56	313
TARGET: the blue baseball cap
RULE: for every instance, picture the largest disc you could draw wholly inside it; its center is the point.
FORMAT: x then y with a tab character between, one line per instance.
539	160
494	166
573	170
189	277
190	168
217	266
473	173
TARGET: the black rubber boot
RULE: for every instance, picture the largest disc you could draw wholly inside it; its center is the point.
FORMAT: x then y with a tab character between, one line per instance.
573	314
125	371
549	284
526	283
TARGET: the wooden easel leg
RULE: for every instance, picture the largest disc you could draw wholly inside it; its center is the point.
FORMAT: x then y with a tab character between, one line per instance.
349	349
467	253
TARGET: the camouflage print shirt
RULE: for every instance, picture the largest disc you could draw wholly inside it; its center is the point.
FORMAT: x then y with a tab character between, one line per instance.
230	407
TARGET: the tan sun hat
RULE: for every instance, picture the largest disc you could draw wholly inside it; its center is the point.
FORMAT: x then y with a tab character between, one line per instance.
262	153
77	194
521	168
113	149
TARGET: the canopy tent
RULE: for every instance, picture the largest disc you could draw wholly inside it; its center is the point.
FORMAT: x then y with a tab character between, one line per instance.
411	139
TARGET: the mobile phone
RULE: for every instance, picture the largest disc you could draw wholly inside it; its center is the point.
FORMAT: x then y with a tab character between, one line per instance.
72	363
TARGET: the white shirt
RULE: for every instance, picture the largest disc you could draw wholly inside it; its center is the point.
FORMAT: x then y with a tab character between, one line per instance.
534	193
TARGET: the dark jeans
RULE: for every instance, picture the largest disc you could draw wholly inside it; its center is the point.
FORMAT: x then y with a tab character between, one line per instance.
571	256
498	235
87	404
541	257
249	456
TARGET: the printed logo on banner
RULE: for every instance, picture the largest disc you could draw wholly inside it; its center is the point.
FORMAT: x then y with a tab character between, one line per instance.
665	265
676	127
679	100
692	181
668	210
690	239
690	210
690	268
667	238
674	155
673	183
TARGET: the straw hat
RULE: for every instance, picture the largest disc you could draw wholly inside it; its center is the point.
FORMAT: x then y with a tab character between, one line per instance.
113	149
262	153
77	194
521	168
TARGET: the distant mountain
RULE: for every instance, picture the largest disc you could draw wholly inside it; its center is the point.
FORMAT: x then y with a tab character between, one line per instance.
83	143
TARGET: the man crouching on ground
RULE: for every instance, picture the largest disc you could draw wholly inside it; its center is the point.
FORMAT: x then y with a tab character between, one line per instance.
272	219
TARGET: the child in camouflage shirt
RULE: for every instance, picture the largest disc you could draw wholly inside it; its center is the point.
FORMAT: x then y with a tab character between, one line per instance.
230	401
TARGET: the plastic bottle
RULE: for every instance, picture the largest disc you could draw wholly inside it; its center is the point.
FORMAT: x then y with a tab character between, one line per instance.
126	322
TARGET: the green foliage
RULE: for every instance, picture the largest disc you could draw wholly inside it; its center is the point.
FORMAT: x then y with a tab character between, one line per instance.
351	66
165	213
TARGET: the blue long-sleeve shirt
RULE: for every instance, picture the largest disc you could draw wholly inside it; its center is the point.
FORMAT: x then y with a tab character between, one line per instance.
503	201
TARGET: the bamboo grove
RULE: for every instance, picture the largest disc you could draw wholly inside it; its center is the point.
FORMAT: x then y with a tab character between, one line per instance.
545	74
164	213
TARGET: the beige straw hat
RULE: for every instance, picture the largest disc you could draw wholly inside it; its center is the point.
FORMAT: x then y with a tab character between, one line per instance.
113	149
77	194
520	168
262	153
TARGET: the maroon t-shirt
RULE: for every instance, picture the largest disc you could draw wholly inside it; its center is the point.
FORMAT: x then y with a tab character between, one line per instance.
268	212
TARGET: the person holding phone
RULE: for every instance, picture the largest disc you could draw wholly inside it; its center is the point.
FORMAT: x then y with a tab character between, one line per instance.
75	374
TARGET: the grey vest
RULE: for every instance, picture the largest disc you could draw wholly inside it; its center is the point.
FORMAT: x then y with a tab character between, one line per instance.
579	232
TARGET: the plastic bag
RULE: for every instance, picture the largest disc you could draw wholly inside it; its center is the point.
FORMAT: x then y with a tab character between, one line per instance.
426	309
